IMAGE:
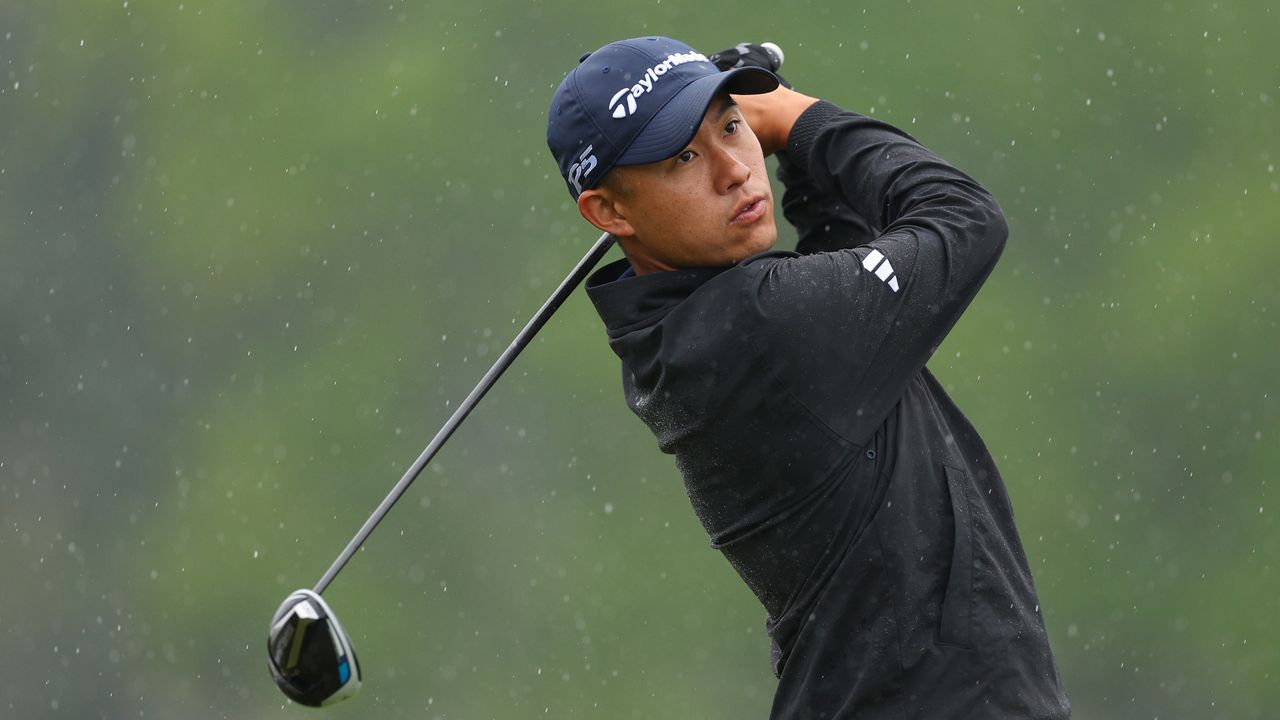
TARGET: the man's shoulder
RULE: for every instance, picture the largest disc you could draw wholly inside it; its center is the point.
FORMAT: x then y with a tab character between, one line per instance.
677	297
763	260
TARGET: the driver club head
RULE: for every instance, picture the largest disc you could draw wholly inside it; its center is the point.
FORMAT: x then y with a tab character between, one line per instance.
310	655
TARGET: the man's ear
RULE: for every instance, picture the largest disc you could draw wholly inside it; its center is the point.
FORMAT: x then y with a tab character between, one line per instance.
599	207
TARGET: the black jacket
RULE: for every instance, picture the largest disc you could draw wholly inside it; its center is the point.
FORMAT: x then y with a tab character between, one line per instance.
824	460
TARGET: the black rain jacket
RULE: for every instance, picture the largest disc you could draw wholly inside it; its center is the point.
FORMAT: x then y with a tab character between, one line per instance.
822	457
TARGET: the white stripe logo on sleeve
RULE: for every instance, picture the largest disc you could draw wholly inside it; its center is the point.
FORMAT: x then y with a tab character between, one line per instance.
884	271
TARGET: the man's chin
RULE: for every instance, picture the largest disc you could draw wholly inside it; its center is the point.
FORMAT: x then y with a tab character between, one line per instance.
761	241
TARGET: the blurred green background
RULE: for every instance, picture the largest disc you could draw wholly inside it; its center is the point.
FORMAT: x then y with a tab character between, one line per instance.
253	253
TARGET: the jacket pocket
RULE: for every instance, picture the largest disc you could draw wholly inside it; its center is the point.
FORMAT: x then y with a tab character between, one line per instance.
957	604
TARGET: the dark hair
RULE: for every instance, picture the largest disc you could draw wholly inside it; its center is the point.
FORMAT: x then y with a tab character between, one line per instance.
614	182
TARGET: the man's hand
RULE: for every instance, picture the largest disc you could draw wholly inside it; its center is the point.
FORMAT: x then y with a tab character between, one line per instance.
772	115
765	55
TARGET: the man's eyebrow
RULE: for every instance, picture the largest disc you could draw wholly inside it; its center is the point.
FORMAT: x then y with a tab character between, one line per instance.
725	105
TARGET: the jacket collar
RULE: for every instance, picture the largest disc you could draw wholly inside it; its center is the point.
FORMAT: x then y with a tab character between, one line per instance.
640	301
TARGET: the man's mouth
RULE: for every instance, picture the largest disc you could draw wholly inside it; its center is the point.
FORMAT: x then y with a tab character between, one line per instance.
751	211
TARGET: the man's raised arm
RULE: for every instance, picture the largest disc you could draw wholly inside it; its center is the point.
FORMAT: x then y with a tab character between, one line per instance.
878	310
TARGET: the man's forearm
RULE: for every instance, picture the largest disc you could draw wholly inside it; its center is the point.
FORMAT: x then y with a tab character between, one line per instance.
772	115
886	176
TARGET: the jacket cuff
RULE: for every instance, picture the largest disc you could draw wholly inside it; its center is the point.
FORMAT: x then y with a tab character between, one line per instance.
805	131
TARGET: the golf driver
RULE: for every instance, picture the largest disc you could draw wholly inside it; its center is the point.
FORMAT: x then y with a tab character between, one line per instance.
311	657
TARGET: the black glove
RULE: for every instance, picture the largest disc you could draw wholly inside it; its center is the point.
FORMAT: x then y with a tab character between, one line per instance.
749	55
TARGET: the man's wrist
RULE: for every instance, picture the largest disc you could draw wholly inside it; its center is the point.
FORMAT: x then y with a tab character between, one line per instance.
791	107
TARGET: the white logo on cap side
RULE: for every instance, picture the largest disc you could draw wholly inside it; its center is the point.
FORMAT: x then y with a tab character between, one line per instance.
586	163
651	76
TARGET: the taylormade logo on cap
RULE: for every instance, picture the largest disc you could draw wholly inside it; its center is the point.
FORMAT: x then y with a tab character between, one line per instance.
623	102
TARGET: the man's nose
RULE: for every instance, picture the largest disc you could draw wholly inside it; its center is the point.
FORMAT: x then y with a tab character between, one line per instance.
731	171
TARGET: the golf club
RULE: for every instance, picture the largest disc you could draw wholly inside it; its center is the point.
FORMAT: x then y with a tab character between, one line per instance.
311	657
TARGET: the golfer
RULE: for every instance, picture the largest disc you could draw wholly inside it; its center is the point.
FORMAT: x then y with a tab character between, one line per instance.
824	460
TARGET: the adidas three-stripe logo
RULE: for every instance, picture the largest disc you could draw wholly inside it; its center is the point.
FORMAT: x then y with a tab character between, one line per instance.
884	271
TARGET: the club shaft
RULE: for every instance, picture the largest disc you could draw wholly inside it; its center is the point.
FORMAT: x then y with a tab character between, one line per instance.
504	361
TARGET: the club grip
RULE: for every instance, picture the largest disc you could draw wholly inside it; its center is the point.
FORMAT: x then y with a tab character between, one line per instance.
775	53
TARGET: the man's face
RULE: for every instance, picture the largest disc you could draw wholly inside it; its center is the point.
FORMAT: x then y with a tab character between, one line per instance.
709	205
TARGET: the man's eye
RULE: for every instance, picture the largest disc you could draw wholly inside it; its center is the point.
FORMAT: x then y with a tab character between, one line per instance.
732	127
685	156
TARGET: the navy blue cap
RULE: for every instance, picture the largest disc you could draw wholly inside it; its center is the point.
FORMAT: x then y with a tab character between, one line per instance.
636	101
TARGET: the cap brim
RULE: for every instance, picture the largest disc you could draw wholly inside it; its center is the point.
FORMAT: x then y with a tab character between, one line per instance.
677	122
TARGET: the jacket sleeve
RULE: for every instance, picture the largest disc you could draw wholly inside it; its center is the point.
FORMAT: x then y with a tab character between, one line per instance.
848	328
823	222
